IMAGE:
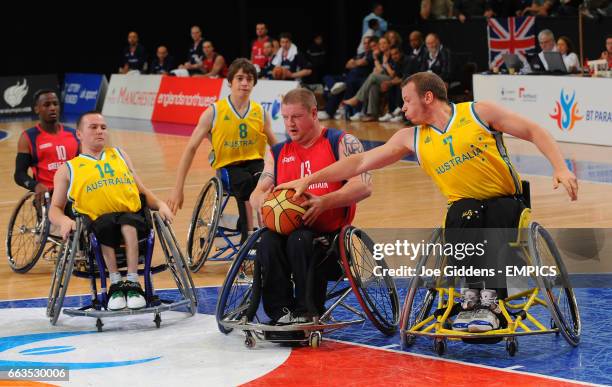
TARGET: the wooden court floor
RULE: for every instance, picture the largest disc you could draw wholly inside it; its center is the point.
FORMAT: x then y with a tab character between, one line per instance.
403	196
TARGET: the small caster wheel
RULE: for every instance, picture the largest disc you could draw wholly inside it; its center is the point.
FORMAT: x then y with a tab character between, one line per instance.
315	339
99	325
249	342
157	320
512	347
439	346
406	341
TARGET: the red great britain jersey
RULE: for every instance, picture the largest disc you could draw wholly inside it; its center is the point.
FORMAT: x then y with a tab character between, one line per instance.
50	151
292	161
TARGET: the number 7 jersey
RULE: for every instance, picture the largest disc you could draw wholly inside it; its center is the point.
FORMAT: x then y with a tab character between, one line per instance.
467	159
103	186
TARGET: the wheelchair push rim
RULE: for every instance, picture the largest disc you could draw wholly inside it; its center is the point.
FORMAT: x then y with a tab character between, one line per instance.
204	222
27	228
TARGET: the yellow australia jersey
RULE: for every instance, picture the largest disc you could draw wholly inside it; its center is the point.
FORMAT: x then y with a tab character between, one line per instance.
467	159
99	187
237	138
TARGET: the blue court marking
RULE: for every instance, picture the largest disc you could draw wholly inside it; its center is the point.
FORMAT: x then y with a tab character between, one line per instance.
3	135
540	354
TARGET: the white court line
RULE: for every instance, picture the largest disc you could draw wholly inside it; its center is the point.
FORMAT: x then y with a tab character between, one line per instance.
514	367
466	363
390	346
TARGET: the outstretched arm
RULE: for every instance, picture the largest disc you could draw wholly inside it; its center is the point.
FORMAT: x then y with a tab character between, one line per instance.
393	150
505	120
61	181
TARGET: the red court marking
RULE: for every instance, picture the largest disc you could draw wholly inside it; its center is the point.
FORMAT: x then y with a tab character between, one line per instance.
350	365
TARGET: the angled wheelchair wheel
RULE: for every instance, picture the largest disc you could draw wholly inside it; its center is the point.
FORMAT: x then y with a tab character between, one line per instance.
176	262
204	223
422	293
28	229
377	295
62	273
560	296
237	291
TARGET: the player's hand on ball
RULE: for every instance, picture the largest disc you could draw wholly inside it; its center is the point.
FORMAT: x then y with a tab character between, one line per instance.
569	181
316	206
300	186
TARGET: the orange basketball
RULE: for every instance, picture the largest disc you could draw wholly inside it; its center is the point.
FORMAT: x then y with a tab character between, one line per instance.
278	73
282	213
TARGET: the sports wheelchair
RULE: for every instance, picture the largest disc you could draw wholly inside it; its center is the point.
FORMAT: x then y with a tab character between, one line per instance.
81	256
238	305
428	306
28	237
209	222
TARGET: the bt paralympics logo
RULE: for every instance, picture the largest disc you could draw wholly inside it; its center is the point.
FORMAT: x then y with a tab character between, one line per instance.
566	111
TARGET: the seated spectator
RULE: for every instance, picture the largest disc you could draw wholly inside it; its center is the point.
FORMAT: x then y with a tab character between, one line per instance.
377	12
436	59
403	68
196	53
568	7
467	9
317	56
546	38
369	93
275	46
163	63
417	46
566	48
394	39
538	8
436	9
339	86
134	55
213	65
258	58
288	62
373	27
266	70
608	53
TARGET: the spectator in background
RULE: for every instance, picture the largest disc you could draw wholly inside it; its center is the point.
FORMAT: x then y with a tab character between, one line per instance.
566	48
373	27
266	70
196	53
369	93
258	58
288	62
417	46
339	86
505	8
213	65
436	59
546	38
467	9
162	64
275	46
317	56
538	8
436	9
568	7
394	39
134	55
608	53
377	12
401	64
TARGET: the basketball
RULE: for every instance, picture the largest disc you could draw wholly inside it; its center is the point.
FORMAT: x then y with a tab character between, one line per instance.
282	213
278	73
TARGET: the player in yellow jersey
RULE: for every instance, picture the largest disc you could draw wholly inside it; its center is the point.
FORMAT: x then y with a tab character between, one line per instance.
101	183
462	149
239	130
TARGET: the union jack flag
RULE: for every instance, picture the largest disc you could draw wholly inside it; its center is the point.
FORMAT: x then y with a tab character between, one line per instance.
514	35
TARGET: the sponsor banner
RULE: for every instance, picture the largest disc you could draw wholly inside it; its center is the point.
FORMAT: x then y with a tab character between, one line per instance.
270	94
182	100
83	92
573	109
131	96
17	93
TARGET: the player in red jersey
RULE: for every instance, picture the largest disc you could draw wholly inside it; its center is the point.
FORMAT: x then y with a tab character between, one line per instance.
45	147
310	147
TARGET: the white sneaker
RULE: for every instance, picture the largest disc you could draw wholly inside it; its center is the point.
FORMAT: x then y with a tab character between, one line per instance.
483	320
462	320
289	318
322	115
356	117
469	298
488	299
397	111
134	295
338	88
385	118
116	297
399	118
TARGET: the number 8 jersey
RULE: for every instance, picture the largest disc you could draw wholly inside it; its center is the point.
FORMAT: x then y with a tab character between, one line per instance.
467	159
237	138
99	187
